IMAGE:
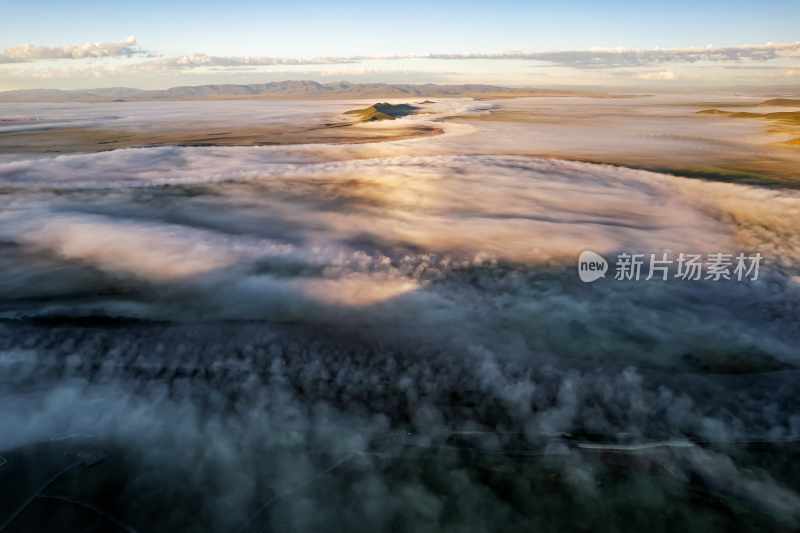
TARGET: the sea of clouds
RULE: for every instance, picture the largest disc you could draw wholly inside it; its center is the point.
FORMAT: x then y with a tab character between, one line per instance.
265	338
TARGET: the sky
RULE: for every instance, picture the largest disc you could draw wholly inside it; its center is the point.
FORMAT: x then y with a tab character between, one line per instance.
161	33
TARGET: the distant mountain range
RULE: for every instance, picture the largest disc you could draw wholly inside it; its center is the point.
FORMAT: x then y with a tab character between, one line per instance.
280	89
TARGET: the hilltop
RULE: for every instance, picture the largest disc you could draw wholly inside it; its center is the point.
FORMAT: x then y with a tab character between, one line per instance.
383	111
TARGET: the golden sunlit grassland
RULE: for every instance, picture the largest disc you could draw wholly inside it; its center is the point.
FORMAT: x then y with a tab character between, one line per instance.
738	140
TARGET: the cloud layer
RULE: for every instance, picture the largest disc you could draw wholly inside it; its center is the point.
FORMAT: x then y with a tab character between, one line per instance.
29	52
285	338
584	59
205	60
614	58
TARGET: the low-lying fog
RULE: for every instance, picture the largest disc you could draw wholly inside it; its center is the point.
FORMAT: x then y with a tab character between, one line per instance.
394	335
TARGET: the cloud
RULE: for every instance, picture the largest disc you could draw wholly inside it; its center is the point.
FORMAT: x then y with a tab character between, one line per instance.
403	324
29	52
205	60
660	75
625	57
595	58
123	63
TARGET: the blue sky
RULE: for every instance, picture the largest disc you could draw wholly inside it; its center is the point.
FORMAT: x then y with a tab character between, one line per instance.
314	29
358	27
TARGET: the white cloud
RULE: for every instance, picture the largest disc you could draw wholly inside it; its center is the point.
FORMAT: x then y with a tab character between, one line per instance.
205	60
30	52
660	75
27	53
592	58
125	63
626	57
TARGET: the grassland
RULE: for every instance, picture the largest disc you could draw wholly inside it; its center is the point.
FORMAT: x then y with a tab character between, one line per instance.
781	122
68	140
